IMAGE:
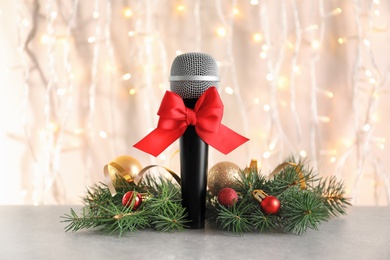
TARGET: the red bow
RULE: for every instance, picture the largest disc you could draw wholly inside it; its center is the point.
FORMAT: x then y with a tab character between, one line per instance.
206	116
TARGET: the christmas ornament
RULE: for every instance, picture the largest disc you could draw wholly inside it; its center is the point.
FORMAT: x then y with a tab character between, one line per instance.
128	198
268	204
222	175
227	197
124	166
160	199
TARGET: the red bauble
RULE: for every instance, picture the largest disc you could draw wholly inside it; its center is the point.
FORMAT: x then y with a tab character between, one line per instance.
127	199
227	197
270	205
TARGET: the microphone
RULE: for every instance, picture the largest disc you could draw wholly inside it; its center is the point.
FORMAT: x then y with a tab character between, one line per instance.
191	75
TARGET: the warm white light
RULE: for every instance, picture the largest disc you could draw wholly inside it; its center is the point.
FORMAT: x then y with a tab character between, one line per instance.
162	157
366	42
377	12
25	22
256	101
103	134
324	119
303	153
126	76
269	77
178	52
45	39
127	12
297	69
254	2
53	127
91	39
257	37
266	107
332	159
377	2
366	127
282	82
368	73
236	11
315	44
341	40
263	54
53	14
337	11
229	90
96	15
221	31
266	155
329	94
265	47
61	91
130	33
372	81
180	8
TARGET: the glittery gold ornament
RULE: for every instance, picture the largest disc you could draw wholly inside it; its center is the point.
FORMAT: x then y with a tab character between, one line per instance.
221	175
124	166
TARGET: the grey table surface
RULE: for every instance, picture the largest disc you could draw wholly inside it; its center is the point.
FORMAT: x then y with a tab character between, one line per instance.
29	232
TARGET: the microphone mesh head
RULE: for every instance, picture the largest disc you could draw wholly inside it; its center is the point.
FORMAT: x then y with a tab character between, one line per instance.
193	64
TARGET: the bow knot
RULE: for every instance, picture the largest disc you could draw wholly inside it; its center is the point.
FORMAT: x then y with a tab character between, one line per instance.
190	116
206	116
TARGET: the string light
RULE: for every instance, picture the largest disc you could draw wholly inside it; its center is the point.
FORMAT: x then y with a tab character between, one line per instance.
126	76
180	8
285	76
221	31
127	12
229	90
257	37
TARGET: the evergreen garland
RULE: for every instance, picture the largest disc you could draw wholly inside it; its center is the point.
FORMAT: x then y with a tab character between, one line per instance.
302	207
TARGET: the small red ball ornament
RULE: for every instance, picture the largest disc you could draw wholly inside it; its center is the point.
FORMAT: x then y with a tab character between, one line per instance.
227	197
127	199
270	205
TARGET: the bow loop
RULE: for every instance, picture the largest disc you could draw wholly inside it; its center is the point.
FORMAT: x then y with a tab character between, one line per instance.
206	116
190	116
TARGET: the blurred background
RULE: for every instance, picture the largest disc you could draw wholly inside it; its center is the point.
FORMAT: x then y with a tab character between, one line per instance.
81	82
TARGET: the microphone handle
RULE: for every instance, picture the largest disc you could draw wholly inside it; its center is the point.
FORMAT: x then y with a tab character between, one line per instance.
193	168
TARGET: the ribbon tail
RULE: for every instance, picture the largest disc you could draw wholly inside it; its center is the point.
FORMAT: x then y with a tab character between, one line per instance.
158	140
225	140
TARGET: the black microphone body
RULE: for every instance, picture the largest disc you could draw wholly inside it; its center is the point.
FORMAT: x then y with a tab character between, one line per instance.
193	167
191	75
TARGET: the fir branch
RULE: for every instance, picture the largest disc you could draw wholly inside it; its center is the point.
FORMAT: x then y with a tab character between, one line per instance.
171	220
235	218
263	222
302	209
288	178
332	192
249	181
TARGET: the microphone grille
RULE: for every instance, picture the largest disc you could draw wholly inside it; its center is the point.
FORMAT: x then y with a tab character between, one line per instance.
192	74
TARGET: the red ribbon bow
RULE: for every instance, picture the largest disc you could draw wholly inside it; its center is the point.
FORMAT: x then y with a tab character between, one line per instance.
206	116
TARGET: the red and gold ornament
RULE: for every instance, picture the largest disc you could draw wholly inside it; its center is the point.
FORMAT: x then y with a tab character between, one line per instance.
128	199
268	204
123	166
222	175
227	197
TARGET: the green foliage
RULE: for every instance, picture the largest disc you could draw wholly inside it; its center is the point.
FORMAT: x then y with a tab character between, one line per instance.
306	201
161	208
303	205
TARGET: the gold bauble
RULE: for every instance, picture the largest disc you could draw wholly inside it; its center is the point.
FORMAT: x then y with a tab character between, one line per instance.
124	166
222	175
